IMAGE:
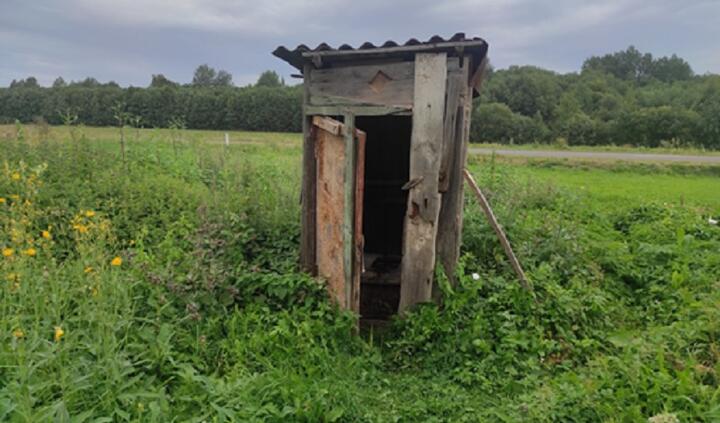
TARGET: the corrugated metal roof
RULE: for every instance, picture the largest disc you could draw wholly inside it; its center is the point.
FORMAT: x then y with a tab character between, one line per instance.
323	53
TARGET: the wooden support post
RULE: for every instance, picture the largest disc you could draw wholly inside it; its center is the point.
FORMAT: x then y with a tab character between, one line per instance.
358	232
498	230
349	219
455	89
308	261
450	221
423	207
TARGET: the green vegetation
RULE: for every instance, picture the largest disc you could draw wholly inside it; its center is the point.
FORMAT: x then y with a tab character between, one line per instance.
166	289
624	98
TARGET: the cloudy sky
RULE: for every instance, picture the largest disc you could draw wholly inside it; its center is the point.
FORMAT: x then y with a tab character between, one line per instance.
128	40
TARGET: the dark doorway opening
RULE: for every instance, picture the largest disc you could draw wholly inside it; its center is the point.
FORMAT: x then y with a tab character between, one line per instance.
387	168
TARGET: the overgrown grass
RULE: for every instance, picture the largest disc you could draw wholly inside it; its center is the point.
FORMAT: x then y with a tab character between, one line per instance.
169	291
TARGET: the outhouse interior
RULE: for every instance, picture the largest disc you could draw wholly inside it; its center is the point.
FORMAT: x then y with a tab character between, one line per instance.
385	140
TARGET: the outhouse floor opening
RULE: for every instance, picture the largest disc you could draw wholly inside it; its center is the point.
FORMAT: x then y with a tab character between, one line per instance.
387	168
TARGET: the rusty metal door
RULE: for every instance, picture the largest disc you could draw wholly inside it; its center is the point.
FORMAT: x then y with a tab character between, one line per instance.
340	181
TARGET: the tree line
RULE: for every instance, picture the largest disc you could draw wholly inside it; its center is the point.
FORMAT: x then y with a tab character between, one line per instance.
622	98
625	97
211	101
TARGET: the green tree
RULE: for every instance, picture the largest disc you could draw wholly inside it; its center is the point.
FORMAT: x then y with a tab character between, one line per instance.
269	79
29	82
204	76
223	79
159	80
526	90
632	65
59	82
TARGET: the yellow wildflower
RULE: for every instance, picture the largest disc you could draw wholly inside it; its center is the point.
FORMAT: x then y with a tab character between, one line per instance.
13	277
30	252
15	176
46	234
80	228
3	200
89	213
88	269
8	252
59	333
117	261
15	197
18	333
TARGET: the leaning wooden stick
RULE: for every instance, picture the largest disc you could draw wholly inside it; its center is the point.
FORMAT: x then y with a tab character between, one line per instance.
498	230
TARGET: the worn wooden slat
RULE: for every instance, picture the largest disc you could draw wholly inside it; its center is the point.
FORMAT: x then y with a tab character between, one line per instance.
388	84
359	241
357	110
420	229
330	213
455	84
308	192
349	205
330	125
451	211
478	76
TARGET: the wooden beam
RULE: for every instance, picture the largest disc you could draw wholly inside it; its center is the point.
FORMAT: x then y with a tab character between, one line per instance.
358	230
330	125
356	109
485	205
451	210
349	219
308	262
455	85
423	207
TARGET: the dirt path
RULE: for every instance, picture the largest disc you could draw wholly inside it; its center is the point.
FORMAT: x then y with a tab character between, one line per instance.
591	155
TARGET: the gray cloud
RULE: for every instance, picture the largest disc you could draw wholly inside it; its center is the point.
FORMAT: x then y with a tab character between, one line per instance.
128	40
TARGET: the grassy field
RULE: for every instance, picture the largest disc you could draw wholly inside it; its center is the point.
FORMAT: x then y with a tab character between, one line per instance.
601	148
165	288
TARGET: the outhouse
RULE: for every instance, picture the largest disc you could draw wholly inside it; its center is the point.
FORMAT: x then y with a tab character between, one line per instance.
385	141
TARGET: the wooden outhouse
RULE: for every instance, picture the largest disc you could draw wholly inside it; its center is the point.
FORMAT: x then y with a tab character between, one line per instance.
385	141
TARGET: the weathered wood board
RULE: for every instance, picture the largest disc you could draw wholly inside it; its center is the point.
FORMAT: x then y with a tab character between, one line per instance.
386	84
308	191
451	211
339	208
330	153
420	228
456	80
359	242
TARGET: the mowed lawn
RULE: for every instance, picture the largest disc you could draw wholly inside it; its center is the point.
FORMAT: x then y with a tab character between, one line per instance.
616	186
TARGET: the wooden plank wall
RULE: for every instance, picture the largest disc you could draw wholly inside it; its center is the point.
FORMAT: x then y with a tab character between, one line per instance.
451	211
423	208
384	84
